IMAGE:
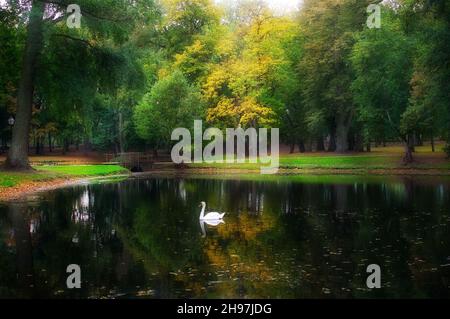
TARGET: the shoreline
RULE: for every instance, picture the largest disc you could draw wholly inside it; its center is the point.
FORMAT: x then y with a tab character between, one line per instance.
23	190
413	171
28	188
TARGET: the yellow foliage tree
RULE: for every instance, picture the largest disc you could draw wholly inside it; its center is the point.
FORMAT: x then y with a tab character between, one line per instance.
237	88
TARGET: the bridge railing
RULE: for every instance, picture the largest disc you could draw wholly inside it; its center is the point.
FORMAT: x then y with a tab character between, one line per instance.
135	159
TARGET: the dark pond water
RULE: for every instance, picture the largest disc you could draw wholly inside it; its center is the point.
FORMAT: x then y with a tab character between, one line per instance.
309	237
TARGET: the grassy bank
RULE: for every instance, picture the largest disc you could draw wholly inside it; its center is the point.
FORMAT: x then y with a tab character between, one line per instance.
315	162
49	173
335	163
382	158
83	170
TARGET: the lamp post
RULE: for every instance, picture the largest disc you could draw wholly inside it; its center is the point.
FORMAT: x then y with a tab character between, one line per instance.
11	122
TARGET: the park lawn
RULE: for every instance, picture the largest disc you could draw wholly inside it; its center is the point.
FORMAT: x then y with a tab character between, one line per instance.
317	162
373	161
10	179
48	173
83	170
339	162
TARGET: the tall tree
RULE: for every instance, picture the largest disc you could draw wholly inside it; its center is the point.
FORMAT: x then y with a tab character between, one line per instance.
428	21
171	103
11	33
101	20
382	60
328	28
18	153
251	83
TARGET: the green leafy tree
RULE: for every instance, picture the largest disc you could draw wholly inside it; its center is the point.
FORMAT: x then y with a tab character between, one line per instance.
11	33
171	103
252	83
184	20
428	21
382	60
328	28
105	20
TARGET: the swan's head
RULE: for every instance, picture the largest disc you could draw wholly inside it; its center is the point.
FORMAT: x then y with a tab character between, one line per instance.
202	204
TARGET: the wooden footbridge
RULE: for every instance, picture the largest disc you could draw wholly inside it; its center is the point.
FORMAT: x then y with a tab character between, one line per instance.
135	161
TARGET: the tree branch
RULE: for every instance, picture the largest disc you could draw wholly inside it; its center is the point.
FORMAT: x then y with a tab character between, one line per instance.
85	11
395	128
73	38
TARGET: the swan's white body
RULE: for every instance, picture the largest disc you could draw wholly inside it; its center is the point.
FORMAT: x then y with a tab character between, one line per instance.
210	216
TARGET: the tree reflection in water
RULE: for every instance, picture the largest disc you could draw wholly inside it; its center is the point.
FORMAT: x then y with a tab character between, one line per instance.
282	238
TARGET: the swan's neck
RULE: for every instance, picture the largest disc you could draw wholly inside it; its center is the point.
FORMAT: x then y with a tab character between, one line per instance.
202	213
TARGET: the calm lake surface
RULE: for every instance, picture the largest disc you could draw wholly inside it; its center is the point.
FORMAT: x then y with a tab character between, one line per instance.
283	237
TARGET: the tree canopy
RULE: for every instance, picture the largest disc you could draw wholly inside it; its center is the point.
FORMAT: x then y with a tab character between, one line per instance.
135	70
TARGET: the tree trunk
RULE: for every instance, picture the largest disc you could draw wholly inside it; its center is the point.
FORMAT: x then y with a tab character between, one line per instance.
418	140
332	145
18	153
342	129
38	146
50	148
120	133
409	149
292	150
116	148
309	145
65	146
87	146
320	146
433	146
408	158
301	147
42	139
359	143
351	142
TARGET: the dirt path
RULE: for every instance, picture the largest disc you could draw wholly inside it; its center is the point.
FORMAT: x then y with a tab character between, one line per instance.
27	188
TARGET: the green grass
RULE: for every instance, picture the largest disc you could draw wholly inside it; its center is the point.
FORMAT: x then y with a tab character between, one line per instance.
84	170
46	173
8	179
318	162
343	162
338	162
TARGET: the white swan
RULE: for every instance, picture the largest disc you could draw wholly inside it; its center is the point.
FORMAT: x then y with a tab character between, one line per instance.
210	216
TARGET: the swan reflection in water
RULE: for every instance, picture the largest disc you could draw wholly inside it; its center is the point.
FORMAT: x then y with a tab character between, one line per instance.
212	223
